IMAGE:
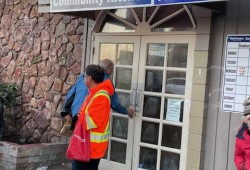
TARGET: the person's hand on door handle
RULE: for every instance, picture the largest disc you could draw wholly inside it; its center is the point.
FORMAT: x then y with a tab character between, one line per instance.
131	112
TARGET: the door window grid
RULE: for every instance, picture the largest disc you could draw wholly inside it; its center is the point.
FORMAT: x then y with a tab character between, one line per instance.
122	56
160	149
163	146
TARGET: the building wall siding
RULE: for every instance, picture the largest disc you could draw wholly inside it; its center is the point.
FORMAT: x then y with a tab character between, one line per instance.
222	126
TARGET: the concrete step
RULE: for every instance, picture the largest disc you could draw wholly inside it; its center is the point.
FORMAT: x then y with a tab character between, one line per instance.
64	166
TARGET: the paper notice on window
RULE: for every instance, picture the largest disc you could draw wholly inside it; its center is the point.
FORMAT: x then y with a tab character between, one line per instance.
157	50
173	110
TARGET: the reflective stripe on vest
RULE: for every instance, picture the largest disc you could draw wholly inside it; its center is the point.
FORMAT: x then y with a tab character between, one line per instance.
96	136
99	137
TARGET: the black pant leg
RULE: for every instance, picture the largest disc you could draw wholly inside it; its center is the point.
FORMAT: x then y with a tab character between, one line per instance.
91	165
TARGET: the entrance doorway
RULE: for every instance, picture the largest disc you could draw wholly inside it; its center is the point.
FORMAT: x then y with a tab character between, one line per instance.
153	75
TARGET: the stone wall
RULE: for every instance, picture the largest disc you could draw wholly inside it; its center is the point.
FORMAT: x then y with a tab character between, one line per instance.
31	156
42	53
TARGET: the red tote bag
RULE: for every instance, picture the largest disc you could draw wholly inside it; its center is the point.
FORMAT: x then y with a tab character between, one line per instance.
79	145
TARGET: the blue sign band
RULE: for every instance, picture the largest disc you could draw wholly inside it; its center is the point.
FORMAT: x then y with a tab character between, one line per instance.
82	5
161	2
85	5
238	38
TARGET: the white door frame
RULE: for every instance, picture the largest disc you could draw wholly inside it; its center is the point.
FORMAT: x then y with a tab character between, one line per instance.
140	49
104	164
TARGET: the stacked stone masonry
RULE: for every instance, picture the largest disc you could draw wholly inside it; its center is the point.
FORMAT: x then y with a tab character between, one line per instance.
30	156
42	54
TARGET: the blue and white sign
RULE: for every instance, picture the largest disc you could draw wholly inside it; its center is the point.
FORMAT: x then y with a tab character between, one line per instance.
162	2
87	5
236	83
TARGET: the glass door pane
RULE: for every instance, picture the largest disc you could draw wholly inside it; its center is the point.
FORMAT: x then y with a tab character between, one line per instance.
152	74
122	52
162	128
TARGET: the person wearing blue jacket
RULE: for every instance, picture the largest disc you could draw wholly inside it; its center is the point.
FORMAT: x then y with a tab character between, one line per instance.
76	96
108	66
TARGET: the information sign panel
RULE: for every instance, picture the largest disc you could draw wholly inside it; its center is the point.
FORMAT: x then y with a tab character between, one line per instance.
236	82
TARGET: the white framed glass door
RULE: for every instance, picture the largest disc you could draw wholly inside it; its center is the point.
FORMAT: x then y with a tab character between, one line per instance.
124	52
165	76
152	74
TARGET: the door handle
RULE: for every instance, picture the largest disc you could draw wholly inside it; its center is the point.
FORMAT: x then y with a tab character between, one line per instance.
133	97
138	97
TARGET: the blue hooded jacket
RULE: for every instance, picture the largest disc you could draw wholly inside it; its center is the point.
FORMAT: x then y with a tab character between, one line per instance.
80	90
115	103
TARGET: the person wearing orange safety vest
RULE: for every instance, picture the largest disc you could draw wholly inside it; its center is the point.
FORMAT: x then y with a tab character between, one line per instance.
95	113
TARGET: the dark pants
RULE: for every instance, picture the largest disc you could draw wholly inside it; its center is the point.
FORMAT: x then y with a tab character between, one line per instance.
91	165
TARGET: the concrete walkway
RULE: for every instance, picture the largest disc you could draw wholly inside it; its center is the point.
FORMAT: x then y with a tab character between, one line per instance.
65	166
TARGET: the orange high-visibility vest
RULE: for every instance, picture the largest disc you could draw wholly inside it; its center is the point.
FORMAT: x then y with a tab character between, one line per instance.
97	123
